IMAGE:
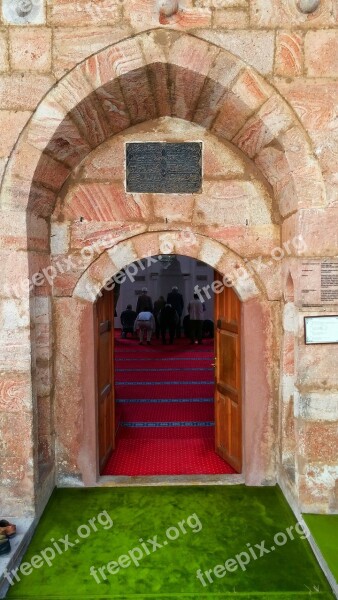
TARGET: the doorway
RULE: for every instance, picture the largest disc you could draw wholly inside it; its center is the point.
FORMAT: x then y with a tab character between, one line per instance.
172	410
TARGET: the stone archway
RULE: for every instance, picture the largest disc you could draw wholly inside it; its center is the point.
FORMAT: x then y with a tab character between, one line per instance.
75	421
152	75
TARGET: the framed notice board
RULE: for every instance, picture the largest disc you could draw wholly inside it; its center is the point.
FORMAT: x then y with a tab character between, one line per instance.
321	330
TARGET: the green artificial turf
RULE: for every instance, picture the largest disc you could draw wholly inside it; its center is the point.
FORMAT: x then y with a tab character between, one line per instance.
324	529
231	518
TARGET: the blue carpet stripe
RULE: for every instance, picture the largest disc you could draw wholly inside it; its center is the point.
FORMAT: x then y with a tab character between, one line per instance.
153	383
145	370
168	424
163	400
178	358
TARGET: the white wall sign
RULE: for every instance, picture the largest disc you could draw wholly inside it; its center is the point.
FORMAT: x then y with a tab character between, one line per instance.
321	330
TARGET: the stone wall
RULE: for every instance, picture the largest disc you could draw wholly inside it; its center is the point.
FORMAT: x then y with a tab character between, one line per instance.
266	92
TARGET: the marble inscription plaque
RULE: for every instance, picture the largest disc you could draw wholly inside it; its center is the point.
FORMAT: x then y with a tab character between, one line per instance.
164	167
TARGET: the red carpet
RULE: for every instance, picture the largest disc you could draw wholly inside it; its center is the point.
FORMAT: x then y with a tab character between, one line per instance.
165	410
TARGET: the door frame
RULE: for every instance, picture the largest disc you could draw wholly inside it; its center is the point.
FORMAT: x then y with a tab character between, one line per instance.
77	448
259	466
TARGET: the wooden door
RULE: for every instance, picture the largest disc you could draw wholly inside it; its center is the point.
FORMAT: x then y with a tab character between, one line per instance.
105	376
228	397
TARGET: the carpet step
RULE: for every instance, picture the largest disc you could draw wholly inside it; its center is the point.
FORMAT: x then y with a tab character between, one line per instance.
172	411
191	456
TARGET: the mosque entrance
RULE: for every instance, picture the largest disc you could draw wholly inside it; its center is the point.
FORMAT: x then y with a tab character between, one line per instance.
169	408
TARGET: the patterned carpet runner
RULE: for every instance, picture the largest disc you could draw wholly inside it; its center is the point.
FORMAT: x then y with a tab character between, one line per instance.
165	410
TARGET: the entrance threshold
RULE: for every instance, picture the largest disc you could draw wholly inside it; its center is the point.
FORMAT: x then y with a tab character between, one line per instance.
168	480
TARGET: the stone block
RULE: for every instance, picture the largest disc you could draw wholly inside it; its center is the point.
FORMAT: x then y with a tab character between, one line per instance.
188	52
94	237
288	355
44	377
42	310
146	245
14	270
250	242
123	254
114	106
255	48
317	487
318	441
268	272
14	314
236	271
232	18
15	445
12	471
69	49
314	226
30	49
136	90
289	59
23	91
45	416
102	270
59	238
105	162
72	90
284	13
312	100
14	231
24	195
4	60
11	125
272	119
15	350
210	252
172	208
316	366
318	407
3	163
216	205
50	173
90	118
43	345
105	202
41	273
321	51
15	392
77	13
64	284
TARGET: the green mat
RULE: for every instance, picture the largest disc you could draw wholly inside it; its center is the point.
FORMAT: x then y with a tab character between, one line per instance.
324	529
196	527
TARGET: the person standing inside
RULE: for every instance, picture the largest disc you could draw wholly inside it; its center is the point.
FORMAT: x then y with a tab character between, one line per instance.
176	300
196	309
158	305
128	317
145	326
144	302
168	321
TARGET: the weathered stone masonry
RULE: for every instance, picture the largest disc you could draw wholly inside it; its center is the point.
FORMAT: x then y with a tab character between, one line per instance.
256	82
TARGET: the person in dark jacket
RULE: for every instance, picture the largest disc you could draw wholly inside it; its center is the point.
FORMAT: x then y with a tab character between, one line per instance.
128	317
176	300
168	321
144	302
158	305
